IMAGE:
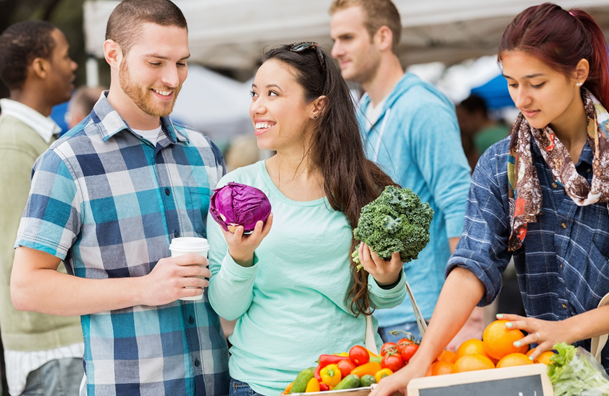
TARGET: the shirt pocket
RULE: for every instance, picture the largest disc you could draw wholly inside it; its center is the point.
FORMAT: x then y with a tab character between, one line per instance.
198	209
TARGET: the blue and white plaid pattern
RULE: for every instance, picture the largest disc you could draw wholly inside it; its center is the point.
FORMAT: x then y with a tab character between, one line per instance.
108	203
562	267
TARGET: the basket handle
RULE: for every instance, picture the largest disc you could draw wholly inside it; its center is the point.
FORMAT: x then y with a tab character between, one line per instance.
598	343
370	338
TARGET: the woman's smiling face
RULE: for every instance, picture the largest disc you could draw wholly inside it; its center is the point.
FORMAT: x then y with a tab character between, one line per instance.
281	116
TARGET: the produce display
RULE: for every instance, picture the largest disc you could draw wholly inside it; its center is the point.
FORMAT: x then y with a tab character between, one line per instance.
239	204
354	369
397	221
574	371
495	350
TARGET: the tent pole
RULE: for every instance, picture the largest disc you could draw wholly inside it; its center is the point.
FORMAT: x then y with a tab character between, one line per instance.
92	72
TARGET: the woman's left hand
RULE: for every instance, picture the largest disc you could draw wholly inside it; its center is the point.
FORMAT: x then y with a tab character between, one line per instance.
544	333
384	272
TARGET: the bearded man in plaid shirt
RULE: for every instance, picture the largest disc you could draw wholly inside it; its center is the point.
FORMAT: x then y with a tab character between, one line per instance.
107	199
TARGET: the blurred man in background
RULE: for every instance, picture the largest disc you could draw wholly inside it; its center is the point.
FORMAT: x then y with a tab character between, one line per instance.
108	198
410	129
474	121
81	104
43	353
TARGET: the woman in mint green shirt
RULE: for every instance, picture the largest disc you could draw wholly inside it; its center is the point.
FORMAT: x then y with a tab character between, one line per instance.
291	284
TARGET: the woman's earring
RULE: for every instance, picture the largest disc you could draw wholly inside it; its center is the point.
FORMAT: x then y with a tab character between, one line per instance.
314	117
579	84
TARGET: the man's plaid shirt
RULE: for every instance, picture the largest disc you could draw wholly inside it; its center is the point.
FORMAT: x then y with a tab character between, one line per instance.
108	203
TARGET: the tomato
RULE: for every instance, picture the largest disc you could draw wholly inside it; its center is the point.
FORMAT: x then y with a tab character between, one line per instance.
388	346
345	367
403	343
409	351
392	362
359	355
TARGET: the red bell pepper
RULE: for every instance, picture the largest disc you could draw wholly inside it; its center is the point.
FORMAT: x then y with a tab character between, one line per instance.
324	360
323	387
317	373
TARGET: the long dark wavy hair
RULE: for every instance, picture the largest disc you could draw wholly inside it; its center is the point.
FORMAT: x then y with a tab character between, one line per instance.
561	38
350	180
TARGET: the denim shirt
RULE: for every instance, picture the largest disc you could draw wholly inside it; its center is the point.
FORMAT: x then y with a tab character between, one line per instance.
562	267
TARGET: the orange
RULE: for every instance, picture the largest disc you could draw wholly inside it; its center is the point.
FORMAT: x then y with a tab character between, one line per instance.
543	358
471	347
499	340
472	363
530	351
447	356
514	359
440	368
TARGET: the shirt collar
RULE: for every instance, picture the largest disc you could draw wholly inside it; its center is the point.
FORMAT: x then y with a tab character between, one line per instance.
109	122
44	126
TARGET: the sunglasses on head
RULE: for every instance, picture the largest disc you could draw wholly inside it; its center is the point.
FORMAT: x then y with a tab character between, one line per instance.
299	47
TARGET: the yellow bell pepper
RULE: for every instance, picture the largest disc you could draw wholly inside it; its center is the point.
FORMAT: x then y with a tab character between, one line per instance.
330	375
382	374
368	368
312	385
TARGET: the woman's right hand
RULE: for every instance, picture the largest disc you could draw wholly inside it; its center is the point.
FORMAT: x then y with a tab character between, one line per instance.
397	383
241	247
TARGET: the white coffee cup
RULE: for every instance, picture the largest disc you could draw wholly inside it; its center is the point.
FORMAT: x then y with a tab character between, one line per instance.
189	245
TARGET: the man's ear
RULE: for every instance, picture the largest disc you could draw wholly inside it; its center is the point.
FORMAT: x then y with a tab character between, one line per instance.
384	38
113	53
40	67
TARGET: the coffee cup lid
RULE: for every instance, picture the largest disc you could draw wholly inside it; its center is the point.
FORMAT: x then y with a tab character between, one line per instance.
189	244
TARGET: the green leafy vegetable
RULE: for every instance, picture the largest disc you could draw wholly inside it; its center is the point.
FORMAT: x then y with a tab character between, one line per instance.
574	372
397	221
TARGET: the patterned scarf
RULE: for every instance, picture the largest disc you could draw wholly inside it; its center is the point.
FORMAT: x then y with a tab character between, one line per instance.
524	187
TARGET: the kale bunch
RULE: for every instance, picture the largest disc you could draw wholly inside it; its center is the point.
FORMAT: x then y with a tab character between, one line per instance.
397	221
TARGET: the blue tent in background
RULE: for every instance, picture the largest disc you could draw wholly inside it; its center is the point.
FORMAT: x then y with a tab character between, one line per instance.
58	114
495	93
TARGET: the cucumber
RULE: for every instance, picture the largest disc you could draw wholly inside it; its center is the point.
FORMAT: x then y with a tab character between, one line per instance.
367	380
349	382
301	381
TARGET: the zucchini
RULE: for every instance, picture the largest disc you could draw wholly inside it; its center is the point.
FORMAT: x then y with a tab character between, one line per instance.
349	382
301	381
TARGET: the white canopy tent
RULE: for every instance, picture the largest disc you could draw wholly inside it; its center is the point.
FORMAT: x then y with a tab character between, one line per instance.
234	33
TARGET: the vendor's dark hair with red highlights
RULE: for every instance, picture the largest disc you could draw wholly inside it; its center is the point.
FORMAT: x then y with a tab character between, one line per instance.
350	180
562	38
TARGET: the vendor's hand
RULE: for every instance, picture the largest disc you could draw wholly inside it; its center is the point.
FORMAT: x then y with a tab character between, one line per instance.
384	272
241	247
173	278
544	333
397	383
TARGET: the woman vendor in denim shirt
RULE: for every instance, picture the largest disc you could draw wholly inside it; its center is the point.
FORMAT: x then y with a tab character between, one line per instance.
540	196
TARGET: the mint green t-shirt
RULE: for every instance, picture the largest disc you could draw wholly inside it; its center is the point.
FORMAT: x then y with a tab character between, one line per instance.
290	305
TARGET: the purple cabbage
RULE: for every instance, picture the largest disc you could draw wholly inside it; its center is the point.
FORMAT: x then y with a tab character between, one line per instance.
238	204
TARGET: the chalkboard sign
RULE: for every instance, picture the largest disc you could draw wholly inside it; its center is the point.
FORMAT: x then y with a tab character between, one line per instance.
529	380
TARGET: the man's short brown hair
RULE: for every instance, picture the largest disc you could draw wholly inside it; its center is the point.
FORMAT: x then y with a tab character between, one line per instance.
124	24
377	13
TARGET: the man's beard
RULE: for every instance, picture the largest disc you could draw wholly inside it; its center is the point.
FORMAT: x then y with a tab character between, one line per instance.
142	97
